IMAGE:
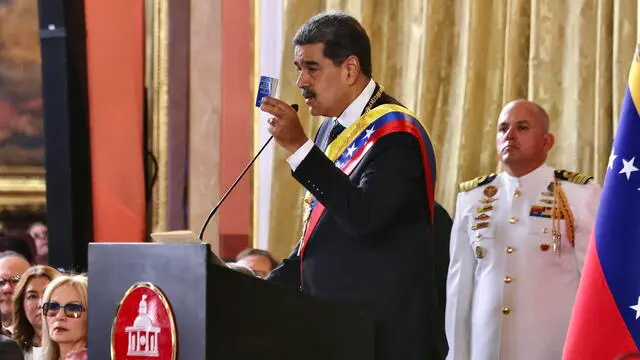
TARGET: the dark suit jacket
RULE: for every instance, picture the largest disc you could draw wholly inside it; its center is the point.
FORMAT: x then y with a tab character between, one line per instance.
9	350
443	225
373	246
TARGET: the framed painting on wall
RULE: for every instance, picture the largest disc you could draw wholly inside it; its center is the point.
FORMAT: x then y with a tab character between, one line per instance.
22	143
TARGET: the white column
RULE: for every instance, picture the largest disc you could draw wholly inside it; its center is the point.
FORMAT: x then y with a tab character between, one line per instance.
269	26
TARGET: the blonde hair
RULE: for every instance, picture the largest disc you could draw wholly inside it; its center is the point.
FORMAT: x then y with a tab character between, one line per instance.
51	349
23	331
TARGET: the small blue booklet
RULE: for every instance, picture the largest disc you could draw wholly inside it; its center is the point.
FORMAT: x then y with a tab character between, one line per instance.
267	87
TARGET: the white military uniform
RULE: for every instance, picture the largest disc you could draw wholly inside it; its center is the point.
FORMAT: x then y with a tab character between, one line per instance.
510	291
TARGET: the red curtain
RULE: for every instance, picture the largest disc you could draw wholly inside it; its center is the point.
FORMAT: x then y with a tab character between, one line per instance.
115	61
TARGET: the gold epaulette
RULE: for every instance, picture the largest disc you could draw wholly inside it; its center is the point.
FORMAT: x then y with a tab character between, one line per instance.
573	177
479	181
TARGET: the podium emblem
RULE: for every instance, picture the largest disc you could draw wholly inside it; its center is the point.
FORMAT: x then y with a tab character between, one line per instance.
144	326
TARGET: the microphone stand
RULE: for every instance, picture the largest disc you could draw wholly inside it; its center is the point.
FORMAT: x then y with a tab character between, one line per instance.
215	209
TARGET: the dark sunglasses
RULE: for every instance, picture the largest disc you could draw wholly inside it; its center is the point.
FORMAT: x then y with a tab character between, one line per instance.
13	280
71	310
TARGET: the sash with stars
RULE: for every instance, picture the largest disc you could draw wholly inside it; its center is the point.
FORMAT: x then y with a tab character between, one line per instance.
350	147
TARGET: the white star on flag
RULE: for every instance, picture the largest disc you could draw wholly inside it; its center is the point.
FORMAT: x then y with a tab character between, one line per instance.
369	132
351	150
628	167
612	157
636	308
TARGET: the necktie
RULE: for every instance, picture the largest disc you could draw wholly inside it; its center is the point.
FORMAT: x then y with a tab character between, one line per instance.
335	130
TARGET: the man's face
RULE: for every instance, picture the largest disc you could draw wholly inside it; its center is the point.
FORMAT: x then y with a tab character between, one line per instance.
324	85
258	263
522	137
11	268
40	234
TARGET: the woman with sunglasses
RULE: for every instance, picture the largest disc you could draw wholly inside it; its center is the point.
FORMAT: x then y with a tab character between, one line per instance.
64	332
27	313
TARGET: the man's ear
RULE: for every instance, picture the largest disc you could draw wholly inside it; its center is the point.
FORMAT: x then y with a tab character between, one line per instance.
351	68
549	141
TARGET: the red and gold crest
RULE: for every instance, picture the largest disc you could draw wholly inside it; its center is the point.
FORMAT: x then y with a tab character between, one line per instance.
144	326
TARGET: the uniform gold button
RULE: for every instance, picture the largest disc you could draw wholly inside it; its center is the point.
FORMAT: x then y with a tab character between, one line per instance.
513	220
546	230
506	310
508	279
510	249
517	193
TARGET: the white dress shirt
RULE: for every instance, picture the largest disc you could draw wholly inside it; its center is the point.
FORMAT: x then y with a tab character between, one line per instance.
348	117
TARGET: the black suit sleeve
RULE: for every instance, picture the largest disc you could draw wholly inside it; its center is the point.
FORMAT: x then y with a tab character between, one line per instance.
443	225
392	177
9	350
288	272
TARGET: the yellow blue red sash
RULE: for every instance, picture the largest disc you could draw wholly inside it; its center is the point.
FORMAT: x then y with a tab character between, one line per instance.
350	147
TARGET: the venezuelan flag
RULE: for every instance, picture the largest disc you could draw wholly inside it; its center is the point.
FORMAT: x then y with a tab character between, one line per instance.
606	316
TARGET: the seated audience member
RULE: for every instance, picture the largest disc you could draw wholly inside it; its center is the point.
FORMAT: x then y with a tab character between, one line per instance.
27	313
15	243
260	261
64	331
40	234
9	350
12	266
241	269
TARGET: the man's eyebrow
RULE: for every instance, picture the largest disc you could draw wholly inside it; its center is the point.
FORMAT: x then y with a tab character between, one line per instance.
306	63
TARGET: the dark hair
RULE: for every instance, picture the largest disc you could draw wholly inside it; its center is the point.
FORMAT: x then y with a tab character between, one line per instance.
16	244
250	252
23	331
342	36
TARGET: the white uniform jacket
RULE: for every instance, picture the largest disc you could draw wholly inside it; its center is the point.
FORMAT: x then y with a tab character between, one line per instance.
510	291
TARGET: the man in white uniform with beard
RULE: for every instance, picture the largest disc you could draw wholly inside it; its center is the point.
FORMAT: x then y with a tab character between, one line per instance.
517	248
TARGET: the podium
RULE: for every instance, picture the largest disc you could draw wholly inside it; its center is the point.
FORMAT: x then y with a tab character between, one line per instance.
217	313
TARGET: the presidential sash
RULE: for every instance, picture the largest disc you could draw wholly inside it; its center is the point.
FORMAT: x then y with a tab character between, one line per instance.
350	147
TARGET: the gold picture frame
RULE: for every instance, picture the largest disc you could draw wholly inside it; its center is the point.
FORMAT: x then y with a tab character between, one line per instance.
157	83
22	173
22	189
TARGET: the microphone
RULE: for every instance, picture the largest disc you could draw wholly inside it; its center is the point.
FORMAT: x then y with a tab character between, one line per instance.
215	208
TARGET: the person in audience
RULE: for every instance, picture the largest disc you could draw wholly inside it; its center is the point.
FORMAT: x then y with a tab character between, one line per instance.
243	269
12	266
517	247
260	261
40	234
64	331
27	309
18	244
9	350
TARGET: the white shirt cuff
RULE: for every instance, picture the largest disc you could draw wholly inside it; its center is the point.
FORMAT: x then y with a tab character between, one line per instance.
296	158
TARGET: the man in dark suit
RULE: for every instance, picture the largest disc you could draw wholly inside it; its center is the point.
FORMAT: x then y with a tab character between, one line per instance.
9	350
368	226
443	225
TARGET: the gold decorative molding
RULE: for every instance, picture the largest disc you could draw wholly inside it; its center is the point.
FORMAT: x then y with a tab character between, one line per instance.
256	123
22	188
157	84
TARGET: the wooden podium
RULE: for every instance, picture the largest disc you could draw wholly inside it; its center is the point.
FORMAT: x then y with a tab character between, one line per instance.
219	313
